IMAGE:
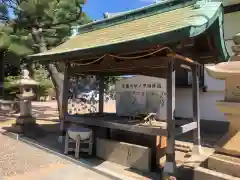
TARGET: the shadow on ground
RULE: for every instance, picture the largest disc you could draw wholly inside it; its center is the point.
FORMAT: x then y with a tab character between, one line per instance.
45	136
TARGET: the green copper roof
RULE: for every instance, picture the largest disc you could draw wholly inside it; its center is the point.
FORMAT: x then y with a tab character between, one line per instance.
158	23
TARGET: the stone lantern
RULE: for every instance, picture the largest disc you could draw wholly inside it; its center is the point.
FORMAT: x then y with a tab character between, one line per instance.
26	95
230	106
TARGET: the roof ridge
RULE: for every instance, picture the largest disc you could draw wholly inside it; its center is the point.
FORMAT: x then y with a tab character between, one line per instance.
113	14
142	12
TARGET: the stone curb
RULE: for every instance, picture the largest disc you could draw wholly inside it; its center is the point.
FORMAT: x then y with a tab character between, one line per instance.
224	166
203	173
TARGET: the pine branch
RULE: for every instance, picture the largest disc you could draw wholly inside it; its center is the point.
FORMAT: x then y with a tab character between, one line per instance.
63	22
4	18
9	4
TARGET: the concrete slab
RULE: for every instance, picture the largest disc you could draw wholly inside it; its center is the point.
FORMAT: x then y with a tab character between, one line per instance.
126	154
224	164
203	173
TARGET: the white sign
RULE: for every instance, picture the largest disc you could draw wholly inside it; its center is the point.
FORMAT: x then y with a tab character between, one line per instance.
141	94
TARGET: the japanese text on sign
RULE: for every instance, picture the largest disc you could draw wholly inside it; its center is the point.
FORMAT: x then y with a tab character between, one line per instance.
134	86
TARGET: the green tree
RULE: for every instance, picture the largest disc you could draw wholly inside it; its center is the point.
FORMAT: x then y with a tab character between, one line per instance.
45	24
13	46
41	24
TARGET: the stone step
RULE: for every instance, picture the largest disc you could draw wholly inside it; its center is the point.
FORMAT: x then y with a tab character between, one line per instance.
218	167
201	173
224	164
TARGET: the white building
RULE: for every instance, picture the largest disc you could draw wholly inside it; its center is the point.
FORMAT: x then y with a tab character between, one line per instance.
214	88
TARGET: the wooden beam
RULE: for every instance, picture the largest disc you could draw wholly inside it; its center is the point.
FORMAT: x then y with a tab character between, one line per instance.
186	67
158	72
192	51
126	65
114	124
186	128
170	165
64	106
196	109
184	59
101	95
124	52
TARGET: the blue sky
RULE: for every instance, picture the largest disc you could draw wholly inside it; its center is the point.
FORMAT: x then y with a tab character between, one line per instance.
96	8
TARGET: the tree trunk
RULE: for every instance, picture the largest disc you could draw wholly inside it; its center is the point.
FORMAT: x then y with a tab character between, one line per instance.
1	75
57	77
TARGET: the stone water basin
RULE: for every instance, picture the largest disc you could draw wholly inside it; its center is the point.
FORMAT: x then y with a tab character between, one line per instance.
85	133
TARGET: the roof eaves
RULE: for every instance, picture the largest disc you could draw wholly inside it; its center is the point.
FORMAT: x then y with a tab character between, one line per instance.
150	10
198	29
186	32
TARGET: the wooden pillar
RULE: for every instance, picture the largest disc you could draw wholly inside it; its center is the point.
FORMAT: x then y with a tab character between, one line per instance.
64	105
170	165
101	95
196	109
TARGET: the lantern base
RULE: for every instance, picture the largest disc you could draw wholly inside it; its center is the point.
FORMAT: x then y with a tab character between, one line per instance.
23	123
28	120
229	145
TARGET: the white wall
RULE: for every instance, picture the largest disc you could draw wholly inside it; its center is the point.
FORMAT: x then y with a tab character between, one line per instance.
208	110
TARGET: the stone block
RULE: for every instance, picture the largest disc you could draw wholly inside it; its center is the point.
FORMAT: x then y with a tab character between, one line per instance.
201	173
225	164
134	156
26	120
232	91
229	145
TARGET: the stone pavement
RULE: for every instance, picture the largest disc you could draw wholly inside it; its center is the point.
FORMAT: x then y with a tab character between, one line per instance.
59	172
22	161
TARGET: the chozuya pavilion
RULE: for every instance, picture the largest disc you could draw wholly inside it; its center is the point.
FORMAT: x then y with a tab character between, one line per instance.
159	40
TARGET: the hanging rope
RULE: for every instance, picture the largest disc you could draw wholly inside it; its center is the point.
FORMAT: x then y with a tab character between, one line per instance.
124	57
92	62
142	56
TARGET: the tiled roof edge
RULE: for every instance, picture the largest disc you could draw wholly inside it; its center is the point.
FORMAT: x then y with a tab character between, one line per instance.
150	10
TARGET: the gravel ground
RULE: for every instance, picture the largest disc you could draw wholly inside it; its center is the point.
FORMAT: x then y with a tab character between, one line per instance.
18	157
22	161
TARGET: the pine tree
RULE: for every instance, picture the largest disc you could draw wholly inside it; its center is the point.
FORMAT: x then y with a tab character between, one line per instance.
13	46
38	25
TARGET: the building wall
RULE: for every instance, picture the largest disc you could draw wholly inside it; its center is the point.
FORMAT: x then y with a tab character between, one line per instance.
208	110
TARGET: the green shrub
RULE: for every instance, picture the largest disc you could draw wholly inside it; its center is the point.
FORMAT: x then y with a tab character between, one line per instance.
11	89
45	83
